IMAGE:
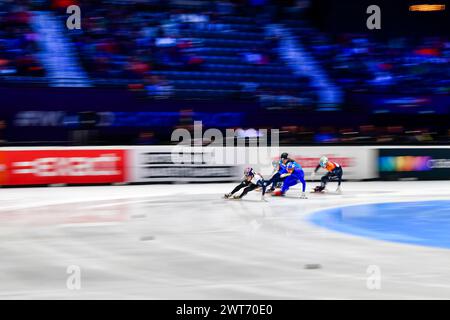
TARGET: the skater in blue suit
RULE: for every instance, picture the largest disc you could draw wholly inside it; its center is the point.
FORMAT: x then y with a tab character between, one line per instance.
279	170
293	176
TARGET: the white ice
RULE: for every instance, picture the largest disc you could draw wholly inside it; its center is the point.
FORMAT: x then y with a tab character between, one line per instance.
185	242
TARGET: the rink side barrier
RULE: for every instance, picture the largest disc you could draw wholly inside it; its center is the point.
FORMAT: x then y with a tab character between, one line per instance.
421	163
154	164
165	164
359	163
78	166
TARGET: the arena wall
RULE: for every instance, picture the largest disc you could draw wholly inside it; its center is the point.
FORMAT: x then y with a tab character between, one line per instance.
175	164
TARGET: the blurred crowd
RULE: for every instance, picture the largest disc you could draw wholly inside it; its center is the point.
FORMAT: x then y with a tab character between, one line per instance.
127	43
120	41
364	63
134	42
220	50
18	42
162	48
167	49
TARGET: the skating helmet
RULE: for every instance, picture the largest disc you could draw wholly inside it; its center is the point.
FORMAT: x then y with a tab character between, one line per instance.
290	166
249	172
275	163
323	161
284	155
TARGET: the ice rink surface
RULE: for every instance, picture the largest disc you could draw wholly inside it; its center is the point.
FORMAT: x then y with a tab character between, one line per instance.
185	242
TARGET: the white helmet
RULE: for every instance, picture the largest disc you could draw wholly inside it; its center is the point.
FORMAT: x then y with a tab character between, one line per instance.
323	161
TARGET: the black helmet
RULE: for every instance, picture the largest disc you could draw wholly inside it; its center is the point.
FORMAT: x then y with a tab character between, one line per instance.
284	155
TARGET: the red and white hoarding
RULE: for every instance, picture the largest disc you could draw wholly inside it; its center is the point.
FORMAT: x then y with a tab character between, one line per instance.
62	166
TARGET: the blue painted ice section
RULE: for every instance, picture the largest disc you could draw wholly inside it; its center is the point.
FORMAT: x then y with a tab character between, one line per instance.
424	223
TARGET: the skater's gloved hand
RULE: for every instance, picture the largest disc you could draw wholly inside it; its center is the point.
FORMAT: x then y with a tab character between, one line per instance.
313	174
